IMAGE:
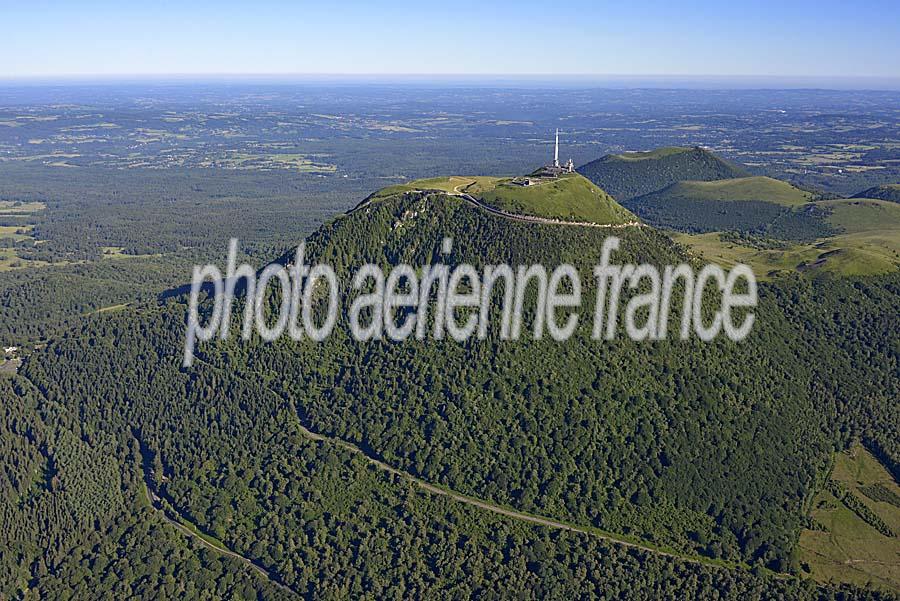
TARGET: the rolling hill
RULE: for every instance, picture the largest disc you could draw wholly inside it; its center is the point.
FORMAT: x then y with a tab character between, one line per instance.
761	205
865	240
494	420
633	174
889	192
759	188
307	459
570	197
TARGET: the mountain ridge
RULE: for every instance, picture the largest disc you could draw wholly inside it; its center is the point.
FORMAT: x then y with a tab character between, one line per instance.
629	175
568	198
889	192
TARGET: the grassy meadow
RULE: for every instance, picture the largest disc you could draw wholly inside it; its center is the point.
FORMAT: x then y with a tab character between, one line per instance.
841	546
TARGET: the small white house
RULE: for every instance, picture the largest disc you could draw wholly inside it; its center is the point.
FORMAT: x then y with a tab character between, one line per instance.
9	350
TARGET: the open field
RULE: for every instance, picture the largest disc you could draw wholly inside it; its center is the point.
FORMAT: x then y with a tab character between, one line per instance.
8	207
456	183
9	260
12	231
869	243
118	252
55	156
652	154
570	197
9	366
16	210
113	252
298	162
843	547
759	188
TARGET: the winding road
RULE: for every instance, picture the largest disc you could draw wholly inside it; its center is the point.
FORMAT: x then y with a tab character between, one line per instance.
165	507
466	499
514	216
543	220
160	505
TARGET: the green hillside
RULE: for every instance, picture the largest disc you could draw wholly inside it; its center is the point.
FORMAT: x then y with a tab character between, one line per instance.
457	184
571	197
852	522
452	184
869	238
758	188
889	192
865	241
633	174
482	416
760	205
707	451
863	215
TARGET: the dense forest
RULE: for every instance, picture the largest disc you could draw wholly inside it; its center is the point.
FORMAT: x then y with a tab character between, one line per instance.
678	469
737	437
612	406
146	212
889	192
758	218
232	457
106	237
37	303
74	523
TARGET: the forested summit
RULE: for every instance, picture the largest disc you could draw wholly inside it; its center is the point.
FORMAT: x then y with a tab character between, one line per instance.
634	174
708	450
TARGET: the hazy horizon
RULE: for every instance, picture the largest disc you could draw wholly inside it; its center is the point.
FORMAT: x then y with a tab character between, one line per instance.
499	80
697	38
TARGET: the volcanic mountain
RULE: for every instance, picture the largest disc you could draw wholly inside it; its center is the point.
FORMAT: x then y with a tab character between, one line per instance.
633	174
508	459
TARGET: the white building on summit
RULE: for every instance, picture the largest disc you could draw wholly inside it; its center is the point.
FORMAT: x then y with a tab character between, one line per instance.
546	172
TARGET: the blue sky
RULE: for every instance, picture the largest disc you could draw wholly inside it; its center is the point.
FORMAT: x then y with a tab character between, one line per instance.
722	37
